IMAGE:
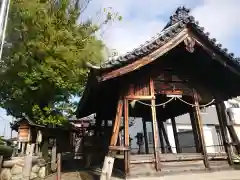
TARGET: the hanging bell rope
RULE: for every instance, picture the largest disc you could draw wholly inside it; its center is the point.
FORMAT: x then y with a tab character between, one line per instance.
157	105
168	101
193	105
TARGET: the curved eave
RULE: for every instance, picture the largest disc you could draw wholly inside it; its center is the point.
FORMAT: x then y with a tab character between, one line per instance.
87	93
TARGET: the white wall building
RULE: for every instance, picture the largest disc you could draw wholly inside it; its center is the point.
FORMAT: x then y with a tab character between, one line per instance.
211	129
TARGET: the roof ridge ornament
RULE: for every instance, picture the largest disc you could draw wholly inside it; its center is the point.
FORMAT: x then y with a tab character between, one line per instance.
180	14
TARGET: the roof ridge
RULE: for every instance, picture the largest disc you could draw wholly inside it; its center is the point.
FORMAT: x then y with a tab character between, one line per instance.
178	21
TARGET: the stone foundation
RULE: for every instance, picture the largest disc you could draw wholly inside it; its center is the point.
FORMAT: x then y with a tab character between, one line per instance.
13	169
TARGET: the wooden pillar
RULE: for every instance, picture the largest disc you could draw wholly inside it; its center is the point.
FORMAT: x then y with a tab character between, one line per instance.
220	107
117	123
120	139
54	156
155	126
166	137
200	129
174	127
230	127
108	161
145	136
162	144
126	137
234	137
59	166
195	131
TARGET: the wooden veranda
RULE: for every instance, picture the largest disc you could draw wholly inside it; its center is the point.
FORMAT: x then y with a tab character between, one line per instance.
179	71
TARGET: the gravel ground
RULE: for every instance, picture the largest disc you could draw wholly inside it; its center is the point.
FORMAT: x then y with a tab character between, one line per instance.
66	176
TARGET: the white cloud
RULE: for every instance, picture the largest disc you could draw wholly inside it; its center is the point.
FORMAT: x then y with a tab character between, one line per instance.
144	19
220	18
128	35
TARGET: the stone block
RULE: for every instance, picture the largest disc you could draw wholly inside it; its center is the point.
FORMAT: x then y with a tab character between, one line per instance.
5	174
16	169
35	168
42	172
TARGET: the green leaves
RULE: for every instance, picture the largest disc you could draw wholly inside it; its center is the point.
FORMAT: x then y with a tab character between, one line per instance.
47	115
45	63
111	16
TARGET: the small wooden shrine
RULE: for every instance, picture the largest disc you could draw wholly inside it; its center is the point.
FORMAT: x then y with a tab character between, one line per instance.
42	136
179	71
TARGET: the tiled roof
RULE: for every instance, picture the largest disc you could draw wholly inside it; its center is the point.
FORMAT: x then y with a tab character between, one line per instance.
178	21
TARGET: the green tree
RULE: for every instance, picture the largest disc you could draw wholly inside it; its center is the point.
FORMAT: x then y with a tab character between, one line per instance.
43	64
1	141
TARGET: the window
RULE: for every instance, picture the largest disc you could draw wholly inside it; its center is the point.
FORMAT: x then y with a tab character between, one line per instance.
150	138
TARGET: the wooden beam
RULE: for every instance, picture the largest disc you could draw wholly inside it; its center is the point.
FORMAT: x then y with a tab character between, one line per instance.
200	129
223	129
126	136
119	148
145	136
195	131
175	133
147	59
155	126
169	157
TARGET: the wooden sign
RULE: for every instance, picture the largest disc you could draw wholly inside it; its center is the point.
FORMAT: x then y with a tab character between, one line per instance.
174	95
107	168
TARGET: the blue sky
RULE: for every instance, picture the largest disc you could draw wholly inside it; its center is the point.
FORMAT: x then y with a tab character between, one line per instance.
144	19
